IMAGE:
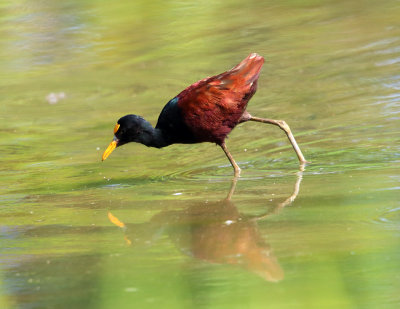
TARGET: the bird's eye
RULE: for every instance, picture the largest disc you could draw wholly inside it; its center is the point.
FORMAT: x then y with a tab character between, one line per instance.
116	128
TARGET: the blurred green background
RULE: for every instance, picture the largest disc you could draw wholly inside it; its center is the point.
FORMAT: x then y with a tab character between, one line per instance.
150	227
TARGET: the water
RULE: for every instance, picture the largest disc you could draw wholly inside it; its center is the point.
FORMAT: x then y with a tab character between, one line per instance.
150	228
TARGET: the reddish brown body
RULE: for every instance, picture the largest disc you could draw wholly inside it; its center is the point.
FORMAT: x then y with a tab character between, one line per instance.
213	106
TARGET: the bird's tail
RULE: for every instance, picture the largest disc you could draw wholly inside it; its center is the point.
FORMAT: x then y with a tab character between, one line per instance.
249	69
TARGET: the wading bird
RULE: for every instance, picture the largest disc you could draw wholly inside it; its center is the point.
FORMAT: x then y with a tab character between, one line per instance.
206	111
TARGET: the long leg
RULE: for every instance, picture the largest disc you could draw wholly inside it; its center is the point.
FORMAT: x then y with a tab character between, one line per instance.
234	164
284	126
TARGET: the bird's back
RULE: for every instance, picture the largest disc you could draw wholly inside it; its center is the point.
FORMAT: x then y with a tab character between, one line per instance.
212	107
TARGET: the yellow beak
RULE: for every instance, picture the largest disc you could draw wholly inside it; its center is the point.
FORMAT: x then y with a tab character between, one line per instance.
109	149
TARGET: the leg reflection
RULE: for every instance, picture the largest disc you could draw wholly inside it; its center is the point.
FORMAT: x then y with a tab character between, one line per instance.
215	232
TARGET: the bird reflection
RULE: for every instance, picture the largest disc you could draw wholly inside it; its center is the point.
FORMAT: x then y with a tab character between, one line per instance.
215	232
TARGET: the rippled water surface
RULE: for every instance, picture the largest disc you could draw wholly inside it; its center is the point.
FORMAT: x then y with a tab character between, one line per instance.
152	228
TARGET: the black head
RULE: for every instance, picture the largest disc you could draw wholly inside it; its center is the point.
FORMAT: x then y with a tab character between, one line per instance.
130	128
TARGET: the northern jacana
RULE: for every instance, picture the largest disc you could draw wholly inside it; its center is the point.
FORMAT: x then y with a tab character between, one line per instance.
206	111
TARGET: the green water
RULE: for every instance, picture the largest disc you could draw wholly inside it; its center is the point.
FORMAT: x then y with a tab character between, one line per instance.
151	228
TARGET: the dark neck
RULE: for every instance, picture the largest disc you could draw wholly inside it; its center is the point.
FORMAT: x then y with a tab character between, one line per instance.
152	137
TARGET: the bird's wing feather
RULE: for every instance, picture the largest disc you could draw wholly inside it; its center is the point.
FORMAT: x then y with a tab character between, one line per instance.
213	106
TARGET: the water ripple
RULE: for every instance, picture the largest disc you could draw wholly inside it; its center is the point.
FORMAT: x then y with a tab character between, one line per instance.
390	219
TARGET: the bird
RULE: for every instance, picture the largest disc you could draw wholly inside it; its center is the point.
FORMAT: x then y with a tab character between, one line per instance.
206	111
